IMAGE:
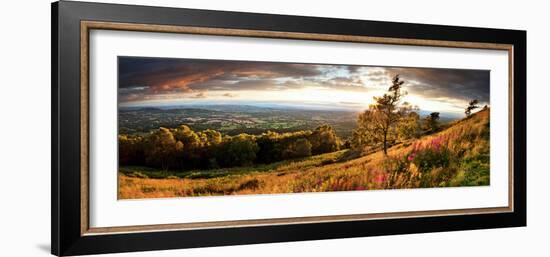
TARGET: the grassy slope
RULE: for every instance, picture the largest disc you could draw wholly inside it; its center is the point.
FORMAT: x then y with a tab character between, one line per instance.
457	156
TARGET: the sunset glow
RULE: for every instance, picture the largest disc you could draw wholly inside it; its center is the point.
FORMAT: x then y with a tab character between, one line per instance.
172	82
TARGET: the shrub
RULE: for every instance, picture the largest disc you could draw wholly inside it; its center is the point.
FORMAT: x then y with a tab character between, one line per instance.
430	156
137	174
250	184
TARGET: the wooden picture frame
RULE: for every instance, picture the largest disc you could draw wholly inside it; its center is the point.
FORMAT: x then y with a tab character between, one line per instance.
71	25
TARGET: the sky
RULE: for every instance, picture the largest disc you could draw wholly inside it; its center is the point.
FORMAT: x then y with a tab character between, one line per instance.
147	81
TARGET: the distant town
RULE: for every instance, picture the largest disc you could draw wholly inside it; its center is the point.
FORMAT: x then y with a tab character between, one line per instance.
234	119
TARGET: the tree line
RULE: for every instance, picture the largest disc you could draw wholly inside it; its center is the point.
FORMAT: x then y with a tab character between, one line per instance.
386	122
182	148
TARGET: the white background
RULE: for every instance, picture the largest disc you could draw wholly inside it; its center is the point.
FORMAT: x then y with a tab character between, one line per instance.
25	128
106	211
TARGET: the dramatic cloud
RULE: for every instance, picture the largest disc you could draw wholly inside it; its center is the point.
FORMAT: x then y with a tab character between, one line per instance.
446	83
186	75
163	79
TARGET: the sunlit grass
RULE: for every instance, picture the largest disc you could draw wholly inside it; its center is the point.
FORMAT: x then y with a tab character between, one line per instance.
456	156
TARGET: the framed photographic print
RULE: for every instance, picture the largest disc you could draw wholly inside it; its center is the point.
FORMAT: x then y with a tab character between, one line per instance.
177	128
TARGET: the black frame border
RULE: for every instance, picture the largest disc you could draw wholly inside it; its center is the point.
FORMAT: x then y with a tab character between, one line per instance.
66	238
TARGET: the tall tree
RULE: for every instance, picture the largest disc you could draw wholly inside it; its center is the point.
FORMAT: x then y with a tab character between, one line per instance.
240	150
324	140
377	125
130	149
431	122
409	127
190	154
302	147
368	131
471	106
162	148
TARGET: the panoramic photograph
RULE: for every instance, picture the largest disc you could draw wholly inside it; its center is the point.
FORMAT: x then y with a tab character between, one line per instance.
200	127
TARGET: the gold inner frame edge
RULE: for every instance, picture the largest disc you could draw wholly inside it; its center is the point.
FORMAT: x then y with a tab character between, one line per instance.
86	26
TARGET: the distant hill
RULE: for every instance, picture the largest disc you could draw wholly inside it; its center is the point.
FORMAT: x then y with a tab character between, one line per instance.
233	119
270	107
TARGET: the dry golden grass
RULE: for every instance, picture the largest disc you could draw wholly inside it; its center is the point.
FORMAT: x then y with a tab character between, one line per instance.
466	140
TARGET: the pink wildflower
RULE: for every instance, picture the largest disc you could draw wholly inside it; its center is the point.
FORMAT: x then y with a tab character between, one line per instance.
416	147
436	143
380	178
360	188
